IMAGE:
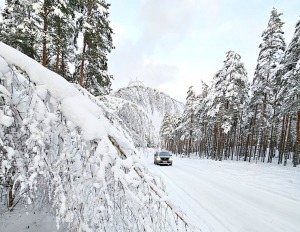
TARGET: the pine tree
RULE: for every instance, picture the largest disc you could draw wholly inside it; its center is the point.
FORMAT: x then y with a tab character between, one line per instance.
20	27
166	131
264	87
289	74
62	30
97	43
225	101
48	31
201	121
188	119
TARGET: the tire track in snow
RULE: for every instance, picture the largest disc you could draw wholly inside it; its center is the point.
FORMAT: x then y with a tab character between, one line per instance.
269	207
218	204
228	205
210	216
254	185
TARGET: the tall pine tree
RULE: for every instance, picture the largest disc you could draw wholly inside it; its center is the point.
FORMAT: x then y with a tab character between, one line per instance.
96	44
20	27
289	74
264	87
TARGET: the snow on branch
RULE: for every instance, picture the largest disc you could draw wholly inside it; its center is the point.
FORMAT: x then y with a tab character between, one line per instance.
55	141
150	99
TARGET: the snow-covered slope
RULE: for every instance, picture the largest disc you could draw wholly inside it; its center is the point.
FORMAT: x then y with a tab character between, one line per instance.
150	99
59	147
153	101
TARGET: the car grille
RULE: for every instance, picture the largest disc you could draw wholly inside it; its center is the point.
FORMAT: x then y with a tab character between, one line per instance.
164	158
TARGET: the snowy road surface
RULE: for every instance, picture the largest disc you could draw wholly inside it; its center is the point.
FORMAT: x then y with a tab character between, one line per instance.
234	196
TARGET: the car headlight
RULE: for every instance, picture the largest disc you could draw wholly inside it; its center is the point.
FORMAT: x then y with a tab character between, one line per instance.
158	158
171	158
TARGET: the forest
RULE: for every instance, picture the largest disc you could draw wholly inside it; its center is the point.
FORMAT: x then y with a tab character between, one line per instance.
68	142
235	119
62	148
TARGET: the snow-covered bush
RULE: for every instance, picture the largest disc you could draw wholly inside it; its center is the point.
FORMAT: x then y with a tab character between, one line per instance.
55	143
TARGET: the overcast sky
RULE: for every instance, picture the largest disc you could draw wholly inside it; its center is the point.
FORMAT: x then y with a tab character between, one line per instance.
173	44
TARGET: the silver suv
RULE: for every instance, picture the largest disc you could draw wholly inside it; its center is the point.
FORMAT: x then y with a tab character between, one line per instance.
163	157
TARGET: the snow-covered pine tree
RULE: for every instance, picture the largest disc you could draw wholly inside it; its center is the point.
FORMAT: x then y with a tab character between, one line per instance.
97	43
50	30
21	27
167	132
264	85
289	96
188	119
225	103
176	134
201	130
62	30
43	30
235	95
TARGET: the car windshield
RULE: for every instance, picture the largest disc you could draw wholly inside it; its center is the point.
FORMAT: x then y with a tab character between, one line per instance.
164	154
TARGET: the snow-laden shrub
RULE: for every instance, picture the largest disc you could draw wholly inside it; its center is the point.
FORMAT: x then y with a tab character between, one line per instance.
56	144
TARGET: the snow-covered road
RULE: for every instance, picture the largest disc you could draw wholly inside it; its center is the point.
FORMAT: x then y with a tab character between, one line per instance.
234	196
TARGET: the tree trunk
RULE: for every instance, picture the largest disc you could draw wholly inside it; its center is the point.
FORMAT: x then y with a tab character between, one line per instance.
57	59
287	139
252	133
234	142
271	147
44	61
248	140
282	139
297	148
63	66
10	199
89	9
82	62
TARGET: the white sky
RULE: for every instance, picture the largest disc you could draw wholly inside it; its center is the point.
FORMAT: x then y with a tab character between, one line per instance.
173	44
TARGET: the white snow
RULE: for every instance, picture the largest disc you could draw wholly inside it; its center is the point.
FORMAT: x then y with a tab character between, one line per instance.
58	12
96	167
28	220
232	196
74	105
5	120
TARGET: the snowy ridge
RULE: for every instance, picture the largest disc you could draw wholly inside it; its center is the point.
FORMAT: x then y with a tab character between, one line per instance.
55	142
155	103
150	99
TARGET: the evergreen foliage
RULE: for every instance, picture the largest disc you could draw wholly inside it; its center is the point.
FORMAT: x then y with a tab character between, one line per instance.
233	119
63	36
91	62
